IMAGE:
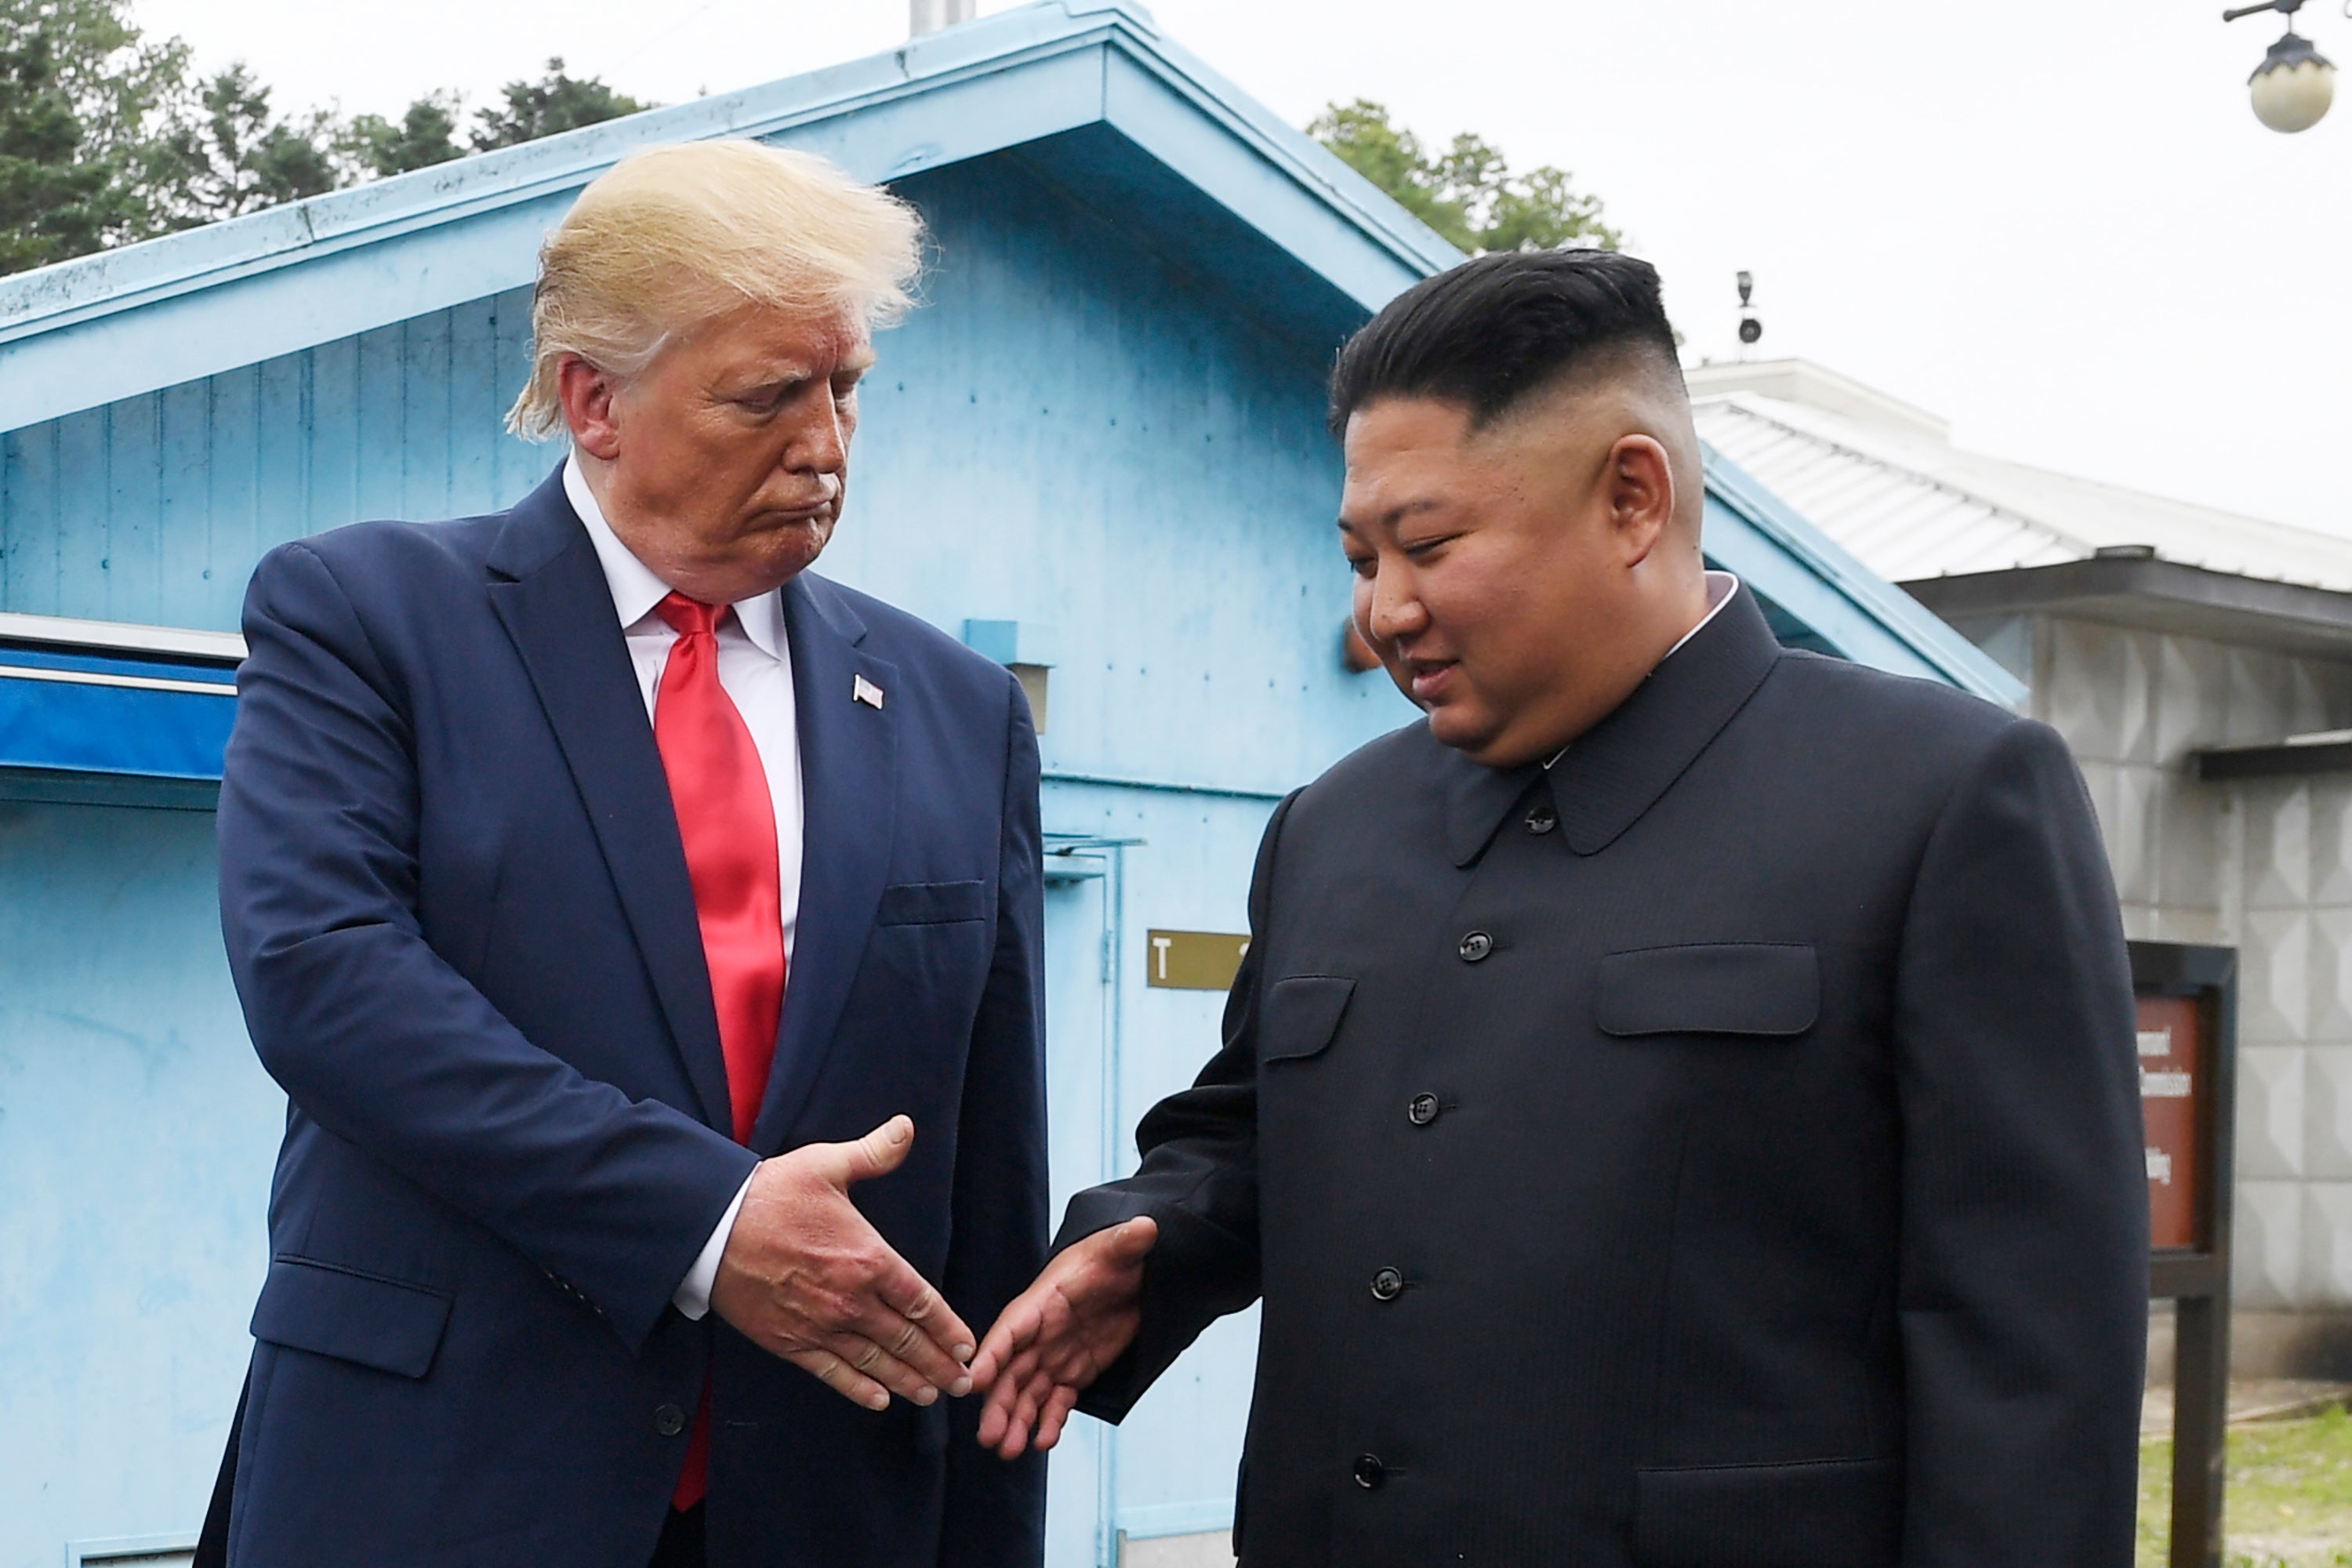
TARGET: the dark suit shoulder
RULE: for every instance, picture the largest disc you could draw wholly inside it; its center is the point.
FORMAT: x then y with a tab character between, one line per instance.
902	636
386	552
1409	752
1926	718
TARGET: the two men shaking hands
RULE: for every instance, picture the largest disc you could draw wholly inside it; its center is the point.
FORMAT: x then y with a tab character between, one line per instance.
1679	1106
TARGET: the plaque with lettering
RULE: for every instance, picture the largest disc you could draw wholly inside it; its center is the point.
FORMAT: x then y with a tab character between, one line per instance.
2172	1067
1193	960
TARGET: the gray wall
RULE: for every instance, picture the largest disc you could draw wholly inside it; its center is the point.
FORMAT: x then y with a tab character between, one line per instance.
2263	867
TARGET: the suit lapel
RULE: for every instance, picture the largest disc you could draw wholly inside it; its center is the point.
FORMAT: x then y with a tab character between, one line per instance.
849	752
549	590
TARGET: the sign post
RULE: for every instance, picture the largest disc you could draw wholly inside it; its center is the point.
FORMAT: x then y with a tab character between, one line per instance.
2188	1001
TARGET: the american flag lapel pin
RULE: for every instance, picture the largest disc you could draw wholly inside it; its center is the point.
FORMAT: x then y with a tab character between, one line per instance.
865	691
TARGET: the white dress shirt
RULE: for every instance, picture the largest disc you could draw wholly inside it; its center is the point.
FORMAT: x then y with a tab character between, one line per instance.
755	670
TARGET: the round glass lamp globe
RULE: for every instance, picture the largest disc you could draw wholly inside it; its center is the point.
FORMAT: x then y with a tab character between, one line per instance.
2294	97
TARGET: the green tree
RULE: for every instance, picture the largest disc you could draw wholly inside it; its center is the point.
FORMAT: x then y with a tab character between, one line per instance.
54	203
554	103
106	136
1466	193
426	135
234	156
85	105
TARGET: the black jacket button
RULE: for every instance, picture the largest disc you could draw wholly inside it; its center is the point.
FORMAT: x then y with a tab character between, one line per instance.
1542	819
1387	1285
1475	946
1370	1472
669	1420
1422	1110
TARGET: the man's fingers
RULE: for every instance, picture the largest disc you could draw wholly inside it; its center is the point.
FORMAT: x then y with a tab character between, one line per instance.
876	1364
877	1153
1056	1414
841	1377
1131	1241
910	1296
1014	1330
912	1342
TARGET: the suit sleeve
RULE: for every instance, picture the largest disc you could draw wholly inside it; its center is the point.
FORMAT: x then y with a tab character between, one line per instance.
2021	1296
996	1512
1198	1181
376	1037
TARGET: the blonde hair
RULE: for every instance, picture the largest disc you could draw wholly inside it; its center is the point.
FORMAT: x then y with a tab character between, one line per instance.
671	237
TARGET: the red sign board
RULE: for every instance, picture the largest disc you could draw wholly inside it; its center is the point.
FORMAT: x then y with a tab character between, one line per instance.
2174	1067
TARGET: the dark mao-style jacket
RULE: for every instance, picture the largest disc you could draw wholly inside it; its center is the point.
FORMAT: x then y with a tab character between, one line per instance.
1722	1151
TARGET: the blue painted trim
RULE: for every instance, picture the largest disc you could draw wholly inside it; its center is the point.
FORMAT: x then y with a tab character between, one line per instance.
1114	781
1753	532
103	327
126	1549
1176	1519
56	715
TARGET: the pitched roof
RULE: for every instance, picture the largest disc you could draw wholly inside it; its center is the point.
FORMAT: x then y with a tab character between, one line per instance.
1885	483
113	325
1090	88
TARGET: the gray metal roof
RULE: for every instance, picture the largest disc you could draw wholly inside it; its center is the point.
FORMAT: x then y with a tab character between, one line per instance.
1885	484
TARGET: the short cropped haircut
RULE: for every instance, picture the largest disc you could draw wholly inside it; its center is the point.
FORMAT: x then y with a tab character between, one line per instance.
672	236
1498	328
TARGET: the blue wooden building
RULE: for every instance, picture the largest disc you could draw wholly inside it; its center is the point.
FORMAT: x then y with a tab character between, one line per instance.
1097	452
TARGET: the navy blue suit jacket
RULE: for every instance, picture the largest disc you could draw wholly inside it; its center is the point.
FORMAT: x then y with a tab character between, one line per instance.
459	919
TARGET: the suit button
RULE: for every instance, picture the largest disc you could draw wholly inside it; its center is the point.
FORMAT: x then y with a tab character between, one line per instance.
1370	1472
669	1420
1542	819
1422	1110
1387	1285
1475	946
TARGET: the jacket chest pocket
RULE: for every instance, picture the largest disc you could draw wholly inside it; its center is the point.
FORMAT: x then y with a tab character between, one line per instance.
1759	989
1301	1016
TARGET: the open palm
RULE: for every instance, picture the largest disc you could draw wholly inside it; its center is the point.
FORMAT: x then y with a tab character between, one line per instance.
1056	1337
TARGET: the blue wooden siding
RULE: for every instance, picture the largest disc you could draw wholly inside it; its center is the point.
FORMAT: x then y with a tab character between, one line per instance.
153	510
136	1133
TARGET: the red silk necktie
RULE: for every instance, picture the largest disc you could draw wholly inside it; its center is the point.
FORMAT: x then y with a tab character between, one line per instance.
727	819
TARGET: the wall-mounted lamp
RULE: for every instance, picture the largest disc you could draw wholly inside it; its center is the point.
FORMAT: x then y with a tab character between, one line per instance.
2296	83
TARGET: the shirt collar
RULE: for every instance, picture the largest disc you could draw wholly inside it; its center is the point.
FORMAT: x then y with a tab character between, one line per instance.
635	587
1720	586
1620	767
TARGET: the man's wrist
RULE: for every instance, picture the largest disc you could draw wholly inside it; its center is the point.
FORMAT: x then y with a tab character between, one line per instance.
692	1298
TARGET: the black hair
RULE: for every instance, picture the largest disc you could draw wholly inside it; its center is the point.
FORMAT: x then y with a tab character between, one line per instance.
1494	329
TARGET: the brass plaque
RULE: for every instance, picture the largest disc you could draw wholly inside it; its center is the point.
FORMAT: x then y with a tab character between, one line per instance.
1193	960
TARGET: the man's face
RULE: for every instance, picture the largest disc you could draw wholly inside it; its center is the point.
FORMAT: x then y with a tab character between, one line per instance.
1499	574
723	466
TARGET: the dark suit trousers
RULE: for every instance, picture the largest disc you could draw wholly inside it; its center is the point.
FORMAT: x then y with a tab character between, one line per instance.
680	1545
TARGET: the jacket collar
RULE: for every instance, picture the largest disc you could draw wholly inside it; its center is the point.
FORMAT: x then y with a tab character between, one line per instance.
549	590
1617	770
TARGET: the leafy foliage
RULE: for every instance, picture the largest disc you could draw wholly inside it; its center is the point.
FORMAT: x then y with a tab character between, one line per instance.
554	103
426	135
1467	193
83	107
234	157
105	137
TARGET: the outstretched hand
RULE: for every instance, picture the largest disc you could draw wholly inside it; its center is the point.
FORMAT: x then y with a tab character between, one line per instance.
805	1276
1057	1336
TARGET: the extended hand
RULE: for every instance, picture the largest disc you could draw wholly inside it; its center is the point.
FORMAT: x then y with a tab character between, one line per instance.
805	1276
1059	1335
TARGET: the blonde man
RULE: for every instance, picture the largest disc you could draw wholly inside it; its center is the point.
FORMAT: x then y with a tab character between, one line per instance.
610	893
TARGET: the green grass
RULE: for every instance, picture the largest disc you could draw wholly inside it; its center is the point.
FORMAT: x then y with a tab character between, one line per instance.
2289	1499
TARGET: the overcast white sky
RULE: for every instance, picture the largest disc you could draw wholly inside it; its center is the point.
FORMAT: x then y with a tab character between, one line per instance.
2055	222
